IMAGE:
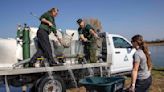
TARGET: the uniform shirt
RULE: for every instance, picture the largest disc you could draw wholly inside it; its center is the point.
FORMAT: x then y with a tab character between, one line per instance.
46	27
86	31
140	57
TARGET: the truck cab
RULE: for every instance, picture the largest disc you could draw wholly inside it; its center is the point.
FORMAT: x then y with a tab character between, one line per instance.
121	53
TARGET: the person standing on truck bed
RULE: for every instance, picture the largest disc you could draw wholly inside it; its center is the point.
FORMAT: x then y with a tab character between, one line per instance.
88	36
46	27
141	73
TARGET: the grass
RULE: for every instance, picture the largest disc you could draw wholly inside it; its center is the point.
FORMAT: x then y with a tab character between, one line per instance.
157	83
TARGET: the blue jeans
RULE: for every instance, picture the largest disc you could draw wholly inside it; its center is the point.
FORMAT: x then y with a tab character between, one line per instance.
142	85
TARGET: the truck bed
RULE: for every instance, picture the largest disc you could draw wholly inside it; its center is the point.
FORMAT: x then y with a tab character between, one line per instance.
17	71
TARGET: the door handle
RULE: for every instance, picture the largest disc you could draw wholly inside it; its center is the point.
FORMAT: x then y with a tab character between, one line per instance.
117	52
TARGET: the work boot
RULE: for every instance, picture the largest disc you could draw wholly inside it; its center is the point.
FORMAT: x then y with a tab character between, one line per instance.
52	63
55	63
31	64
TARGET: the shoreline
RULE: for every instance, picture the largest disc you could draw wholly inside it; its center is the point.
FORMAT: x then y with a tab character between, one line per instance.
155	43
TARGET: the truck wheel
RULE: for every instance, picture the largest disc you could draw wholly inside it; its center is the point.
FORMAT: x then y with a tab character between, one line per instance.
34	88
49	85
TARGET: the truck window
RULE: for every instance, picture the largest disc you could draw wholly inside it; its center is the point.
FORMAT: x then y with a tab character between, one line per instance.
120	43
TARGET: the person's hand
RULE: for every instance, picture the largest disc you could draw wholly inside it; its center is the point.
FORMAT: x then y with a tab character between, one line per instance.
59	39
132	88
85	39
96	36
50	24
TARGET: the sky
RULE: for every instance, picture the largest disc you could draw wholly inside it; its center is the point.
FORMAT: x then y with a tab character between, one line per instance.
124	17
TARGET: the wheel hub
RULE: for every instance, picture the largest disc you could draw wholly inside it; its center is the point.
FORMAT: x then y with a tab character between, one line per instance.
52	86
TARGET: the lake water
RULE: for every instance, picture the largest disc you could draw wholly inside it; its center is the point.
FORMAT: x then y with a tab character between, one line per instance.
157	55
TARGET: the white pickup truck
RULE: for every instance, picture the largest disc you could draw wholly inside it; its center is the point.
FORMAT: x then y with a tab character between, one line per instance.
115	56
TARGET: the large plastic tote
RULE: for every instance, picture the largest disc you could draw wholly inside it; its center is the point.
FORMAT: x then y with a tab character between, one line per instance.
103	84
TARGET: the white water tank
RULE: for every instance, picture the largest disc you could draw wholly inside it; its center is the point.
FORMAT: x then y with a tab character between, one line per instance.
8	55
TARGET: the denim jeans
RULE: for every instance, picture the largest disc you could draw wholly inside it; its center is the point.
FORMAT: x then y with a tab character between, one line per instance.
142	85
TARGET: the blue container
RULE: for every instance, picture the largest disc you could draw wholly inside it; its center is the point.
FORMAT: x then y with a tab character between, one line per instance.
103	84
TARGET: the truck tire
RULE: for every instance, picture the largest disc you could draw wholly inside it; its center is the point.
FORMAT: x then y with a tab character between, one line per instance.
34	88
46	84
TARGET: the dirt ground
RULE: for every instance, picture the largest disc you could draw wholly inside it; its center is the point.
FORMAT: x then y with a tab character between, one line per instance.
81	89
157	84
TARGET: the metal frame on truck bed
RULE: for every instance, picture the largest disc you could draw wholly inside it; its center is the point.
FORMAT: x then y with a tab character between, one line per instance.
17	71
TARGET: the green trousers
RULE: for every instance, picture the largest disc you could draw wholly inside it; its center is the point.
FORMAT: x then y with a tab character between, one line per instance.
90	52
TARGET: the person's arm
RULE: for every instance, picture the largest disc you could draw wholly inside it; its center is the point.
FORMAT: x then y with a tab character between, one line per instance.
134	74
94	33
44	20
134	77
91	30
83	38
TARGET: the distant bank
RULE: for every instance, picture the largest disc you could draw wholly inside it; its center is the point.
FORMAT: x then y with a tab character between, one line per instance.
156	43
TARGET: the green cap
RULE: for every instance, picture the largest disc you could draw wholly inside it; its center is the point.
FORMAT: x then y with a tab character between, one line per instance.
79	21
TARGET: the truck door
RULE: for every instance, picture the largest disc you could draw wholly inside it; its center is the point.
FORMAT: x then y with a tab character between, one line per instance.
122	55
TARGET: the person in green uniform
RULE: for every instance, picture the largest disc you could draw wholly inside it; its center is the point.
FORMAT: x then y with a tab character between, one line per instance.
47	26
88	36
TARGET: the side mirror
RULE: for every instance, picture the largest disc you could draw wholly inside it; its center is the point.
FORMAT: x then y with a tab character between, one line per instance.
130	47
